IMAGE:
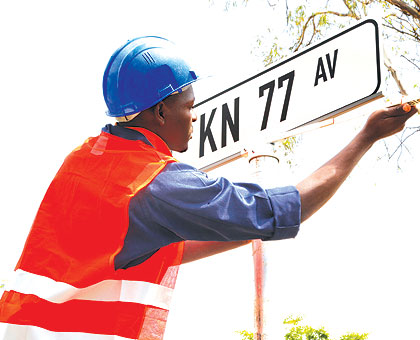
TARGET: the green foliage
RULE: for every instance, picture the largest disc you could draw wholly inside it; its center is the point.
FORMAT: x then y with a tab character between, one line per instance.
299	18
292	320
275	53
354	336
305	332
400	19
289	143
285	148
307	22
246	335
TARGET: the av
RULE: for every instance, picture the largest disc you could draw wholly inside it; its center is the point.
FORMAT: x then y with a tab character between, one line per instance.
320	69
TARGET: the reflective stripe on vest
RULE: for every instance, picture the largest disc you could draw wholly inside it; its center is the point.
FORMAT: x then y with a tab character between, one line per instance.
66	285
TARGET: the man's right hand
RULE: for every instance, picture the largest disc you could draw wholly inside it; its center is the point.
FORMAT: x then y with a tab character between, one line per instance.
386	122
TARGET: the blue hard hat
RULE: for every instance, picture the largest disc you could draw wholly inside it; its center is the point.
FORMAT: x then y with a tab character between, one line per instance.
143	72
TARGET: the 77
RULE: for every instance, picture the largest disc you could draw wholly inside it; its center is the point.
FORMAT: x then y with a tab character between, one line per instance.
270	87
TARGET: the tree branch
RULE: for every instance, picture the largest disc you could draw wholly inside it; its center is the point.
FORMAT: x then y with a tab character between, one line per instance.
368	2
410	61
388	65
271	5
410	23
312	17
417	2
405	8
412	35
347	5
403	140
397	80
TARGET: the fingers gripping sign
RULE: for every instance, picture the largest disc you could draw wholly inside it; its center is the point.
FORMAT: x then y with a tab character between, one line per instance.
388	121
406	107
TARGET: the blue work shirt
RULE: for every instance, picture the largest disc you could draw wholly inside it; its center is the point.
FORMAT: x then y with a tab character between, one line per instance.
183	203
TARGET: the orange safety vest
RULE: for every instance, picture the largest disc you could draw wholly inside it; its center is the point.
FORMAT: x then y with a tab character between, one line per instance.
66	285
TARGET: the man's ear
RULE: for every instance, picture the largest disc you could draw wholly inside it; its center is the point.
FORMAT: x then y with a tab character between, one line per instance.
159	113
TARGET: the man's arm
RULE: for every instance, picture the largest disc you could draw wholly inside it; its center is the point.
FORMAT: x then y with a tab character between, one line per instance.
319	187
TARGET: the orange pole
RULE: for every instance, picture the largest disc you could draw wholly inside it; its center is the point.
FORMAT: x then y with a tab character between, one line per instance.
262	161
258	255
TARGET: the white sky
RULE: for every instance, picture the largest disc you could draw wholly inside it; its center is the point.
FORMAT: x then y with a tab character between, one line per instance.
354	265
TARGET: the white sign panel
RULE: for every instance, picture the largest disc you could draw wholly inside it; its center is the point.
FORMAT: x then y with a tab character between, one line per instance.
309	86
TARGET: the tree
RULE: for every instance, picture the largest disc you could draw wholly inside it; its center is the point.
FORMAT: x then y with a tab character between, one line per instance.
305	332
400	19
308	22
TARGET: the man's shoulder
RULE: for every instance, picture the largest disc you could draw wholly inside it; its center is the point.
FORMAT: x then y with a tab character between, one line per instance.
179	166
179	170
178	177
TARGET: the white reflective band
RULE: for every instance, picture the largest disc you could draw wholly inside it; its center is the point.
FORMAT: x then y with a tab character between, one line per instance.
100	146
17	332
142	292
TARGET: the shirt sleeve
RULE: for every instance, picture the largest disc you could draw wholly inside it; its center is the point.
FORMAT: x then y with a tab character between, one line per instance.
182	203
193	206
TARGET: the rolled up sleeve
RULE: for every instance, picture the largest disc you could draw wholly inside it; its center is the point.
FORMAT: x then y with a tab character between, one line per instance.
187	203
285	202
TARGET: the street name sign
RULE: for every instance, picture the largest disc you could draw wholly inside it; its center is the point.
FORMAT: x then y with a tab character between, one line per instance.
321	82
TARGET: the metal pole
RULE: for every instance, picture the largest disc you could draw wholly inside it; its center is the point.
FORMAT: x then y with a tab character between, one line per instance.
258	255
262	163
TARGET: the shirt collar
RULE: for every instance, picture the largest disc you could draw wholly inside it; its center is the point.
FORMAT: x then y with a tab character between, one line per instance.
137	133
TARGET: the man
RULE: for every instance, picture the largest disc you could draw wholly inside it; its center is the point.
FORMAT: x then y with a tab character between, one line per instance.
102	255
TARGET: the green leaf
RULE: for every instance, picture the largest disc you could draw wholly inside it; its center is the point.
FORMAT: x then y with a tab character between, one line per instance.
246	335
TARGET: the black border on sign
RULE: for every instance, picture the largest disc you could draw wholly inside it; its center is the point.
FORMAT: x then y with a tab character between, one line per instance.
378	68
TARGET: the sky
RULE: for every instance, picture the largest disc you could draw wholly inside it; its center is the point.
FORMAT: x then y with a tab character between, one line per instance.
353	266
